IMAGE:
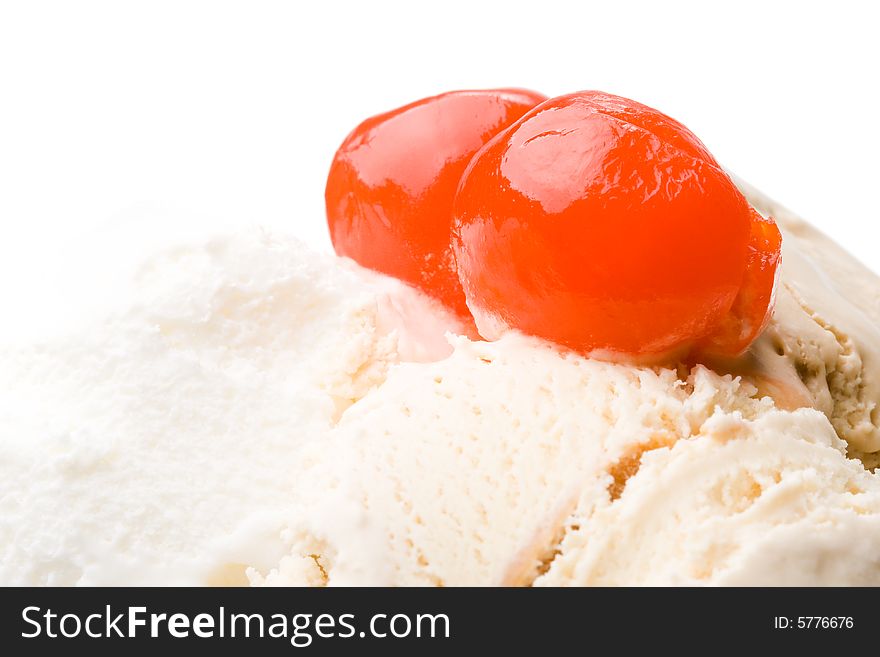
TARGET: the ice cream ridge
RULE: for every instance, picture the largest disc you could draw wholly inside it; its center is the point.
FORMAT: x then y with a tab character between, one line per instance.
558	345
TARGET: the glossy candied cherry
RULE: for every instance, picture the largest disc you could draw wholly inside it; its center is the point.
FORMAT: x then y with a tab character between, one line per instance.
603	225
391	185
754	302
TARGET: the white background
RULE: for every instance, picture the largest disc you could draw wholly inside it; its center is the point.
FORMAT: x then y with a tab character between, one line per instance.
231	111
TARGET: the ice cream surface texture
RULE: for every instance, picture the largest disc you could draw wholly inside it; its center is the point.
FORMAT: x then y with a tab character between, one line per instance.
159	444
254	413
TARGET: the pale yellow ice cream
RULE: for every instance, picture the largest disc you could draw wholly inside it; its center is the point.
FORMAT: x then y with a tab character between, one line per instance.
823	346
249	412
468	472
509	463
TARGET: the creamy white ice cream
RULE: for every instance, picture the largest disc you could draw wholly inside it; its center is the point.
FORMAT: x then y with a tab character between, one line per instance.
507	464
249	412
511	464
159	443
823	346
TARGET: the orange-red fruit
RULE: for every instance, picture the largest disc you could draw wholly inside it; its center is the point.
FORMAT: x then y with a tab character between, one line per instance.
391	185
605	226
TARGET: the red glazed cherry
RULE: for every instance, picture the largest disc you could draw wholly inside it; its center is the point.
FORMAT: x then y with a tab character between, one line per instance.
753	304
603	225
391	185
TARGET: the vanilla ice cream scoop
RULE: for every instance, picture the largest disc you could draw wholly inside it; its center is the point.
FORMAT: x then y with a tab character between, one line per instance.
512	463
507	464
159	443
746	502
822	347
465	470
241	410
